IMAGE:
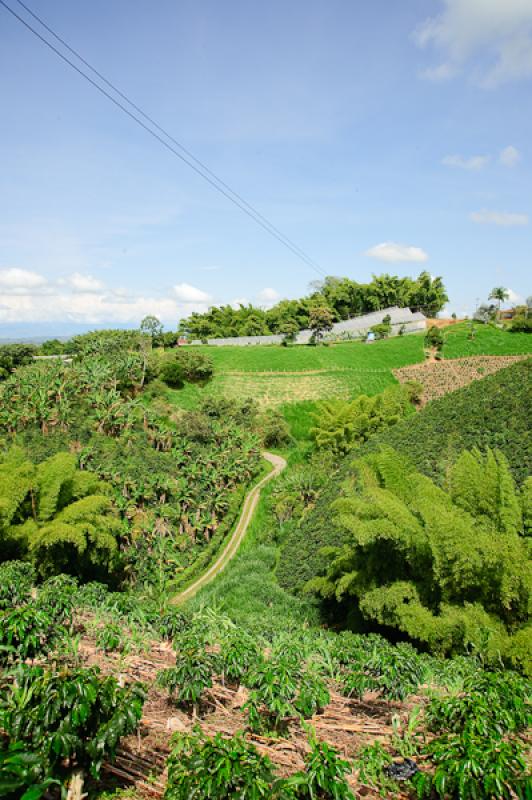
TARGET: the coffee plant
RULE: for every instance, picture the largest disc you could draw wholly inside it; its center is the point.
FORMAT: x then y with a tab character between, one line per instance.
283	688
68	722
16	581
323	777
218	769
26	632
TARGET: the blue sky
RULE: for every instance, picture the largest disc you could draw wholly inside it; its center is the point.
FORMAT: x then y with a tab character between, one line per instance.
379	136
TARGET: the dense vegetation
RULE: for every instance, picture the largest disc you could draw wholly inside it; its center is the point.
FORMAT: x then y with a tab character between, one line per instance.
491	413
116	482
434	548
341	425
450	568
340	298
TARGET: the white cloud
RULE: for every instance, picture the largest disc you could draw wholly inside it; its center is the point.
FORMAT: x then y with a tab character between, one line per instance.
510	156
474	163
91	309
82	283
491	39
392	251
17	281
501	218
29	297
514	298
268	295
239	301
187	293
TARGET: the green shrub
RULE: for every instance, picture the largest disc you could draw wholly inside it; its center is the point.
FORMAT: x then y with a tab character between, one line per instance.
434	338
16	581
192	674
323	776
341	425
172	373
68	722
477	755
218	769
197	367
25	633
283	687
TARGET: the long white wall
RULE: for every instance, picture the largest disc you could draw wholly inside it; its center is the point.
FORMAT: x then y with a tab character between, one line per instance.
354	328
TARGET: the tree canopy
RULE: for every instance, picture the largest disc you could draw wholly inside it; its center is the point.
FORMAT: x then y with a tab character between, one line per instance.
449	567
342	297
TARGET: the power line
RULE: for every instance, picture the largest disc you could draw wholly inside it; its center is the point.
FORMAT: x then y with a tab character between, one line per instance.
168	135
189	159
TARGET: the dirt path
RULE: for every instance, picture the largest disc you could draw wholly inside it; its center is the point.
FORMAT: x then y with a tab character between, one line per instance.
238	534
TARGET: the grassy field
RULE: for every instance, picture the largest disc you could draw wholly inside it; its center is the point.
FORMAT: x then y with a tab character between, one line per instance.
488	341
281	376
275	375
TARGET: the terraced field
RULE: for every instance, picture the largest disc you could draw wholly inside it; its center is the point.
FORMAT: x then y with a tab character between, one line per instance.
277	375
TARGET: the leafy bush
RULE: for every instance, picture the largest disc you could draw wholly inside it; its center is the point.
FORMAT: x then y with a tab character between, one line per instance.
218	769
57	597
69	721
197	367
283	687
477	755
192	674
239	652
323	776
394	672
434	338
172	373
26	632
16	581
111	636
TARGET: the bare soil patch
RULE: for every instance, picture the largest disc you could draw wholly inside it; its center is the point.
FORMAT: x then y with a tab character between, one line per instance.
348	724
441	377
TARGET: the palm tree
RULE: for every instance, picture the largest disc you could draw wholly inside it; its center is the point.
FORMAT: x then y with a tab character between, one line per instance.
500	294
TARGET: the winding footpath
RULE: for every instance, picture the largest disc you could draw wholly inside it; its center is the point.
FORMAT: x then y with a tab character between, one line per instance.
231	548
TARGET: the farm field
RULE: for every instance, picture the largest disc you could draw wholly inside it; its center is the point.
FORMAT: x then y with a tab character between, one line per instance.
440	377
488	341
276	375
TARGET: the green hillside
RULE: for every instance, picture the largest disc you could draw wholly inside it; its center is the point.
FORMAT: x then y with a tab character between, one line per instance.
274	375
487	341
494	412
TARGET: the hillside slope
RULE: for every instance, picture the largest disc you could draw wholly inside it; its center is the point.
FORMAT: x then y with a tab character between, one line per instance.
493	412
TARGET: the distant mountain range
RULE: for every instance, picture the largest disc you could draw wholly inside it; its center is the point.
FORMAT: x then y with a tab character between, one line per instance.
41	331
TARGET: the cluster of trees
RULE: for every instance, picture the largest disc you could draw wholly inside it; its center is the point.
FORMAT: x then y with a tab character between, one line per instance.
13	356
59	517
487	312
448	567
342	298
341	425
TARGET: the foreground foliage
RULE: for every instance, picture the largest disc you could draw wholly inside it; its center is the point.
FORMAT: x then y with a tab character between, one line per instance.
57	725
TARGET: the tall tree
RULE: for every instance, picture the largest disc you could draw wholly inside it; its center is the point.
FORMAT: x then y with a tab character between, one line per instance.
500	294
320	321
151	326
